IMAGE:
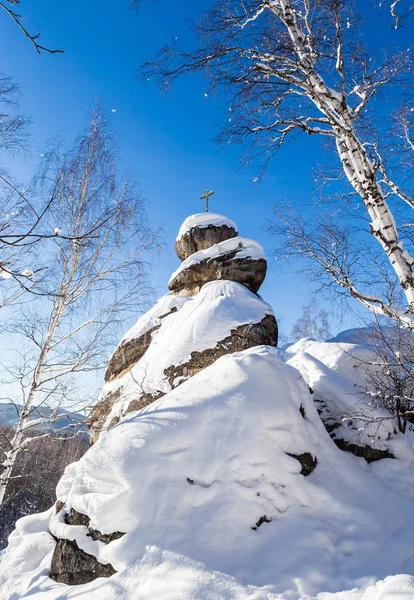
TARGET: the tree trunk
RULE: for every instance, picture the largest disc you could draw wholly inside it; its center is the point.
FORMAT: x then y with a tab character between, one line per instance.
17	440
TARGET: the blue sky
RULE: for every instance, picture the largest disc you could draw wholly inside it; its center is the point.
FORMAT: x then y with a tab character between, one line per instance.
165	139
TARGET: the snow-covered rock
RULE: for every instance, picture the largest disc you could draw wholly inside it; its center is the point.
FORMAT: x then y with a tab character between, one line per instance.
336	372
236	259
224	317
201	231
206	486
184	333
215	476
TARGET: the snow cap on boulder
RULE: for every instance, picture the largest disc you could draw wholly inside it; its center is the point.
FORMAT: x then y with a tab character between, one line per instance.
202	231
211	250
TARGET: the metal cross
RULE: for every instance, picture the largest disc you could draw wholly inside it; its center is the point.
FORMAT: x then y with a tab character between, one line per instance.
205	197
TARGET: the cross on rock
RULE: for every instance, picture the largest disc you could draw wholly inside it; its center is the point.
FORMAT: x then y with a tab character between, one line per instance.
205	197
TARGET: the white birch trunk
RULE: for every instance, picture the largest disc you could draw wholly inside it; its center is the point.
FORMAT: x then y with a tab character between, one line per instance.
354	160
17	442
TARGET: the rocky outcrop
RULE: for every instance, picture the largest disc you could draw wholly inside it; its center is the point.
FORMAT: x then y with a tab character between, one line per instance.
307	461
99	412
212	252
200	238
246	336
128	353
369	453
241	338
238	261
333	424
72	565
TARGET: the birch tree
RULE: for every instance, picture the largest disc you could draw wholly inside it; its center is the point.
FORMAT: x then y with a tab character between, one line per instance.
7	7
288	67
313	323
35	476
90	280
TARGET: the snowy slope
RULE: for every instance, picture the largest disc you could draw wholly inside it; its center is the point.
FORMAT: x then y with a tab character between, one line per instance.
187	479
336	372
153	317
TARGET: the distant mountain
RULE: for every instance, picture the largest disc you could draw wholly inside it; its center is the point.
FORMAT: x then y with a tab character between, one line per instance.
9	416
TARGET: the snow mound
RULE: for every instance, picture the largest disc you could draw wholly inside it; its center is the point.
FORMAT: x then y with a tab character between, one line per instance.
153	318
204	219
337	375
361	336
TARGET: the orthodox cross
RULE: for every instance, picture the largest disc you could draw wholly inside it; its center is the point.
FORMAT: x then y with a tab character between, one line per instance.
205	197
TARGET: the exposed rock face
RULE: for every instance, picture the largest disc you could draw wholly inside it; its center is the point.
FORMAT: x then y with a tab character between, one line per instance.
202	231
130	351
100	411
245	336
225	260
333	425
72	565
212	252
307	461
369	453
200	238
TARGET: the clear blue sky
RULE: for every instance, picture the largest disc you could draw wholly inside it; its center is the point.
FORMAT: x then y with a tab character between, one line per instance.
166	140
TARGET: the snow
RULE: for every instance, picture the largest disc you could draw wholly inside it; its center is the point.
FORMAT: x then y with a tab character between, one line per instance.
199	323
28	273
205	219
4	273
244	248
337	374
188	477
154	316
361	336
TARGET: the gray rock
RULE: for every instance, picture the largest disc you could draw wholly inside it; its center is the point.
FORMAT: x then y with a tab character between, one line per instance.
369	453
307	461
334	427
247	271
200	238
131	351
99	413
73	566
241	338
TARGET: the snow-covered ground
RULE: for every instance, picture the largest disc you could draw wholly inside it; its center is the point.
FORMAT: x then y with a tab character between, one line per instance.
189	477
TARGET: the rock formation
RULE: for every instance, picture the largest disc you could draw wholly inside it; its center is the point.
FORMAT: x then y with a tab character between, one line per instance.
214	473
202	231
221	274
